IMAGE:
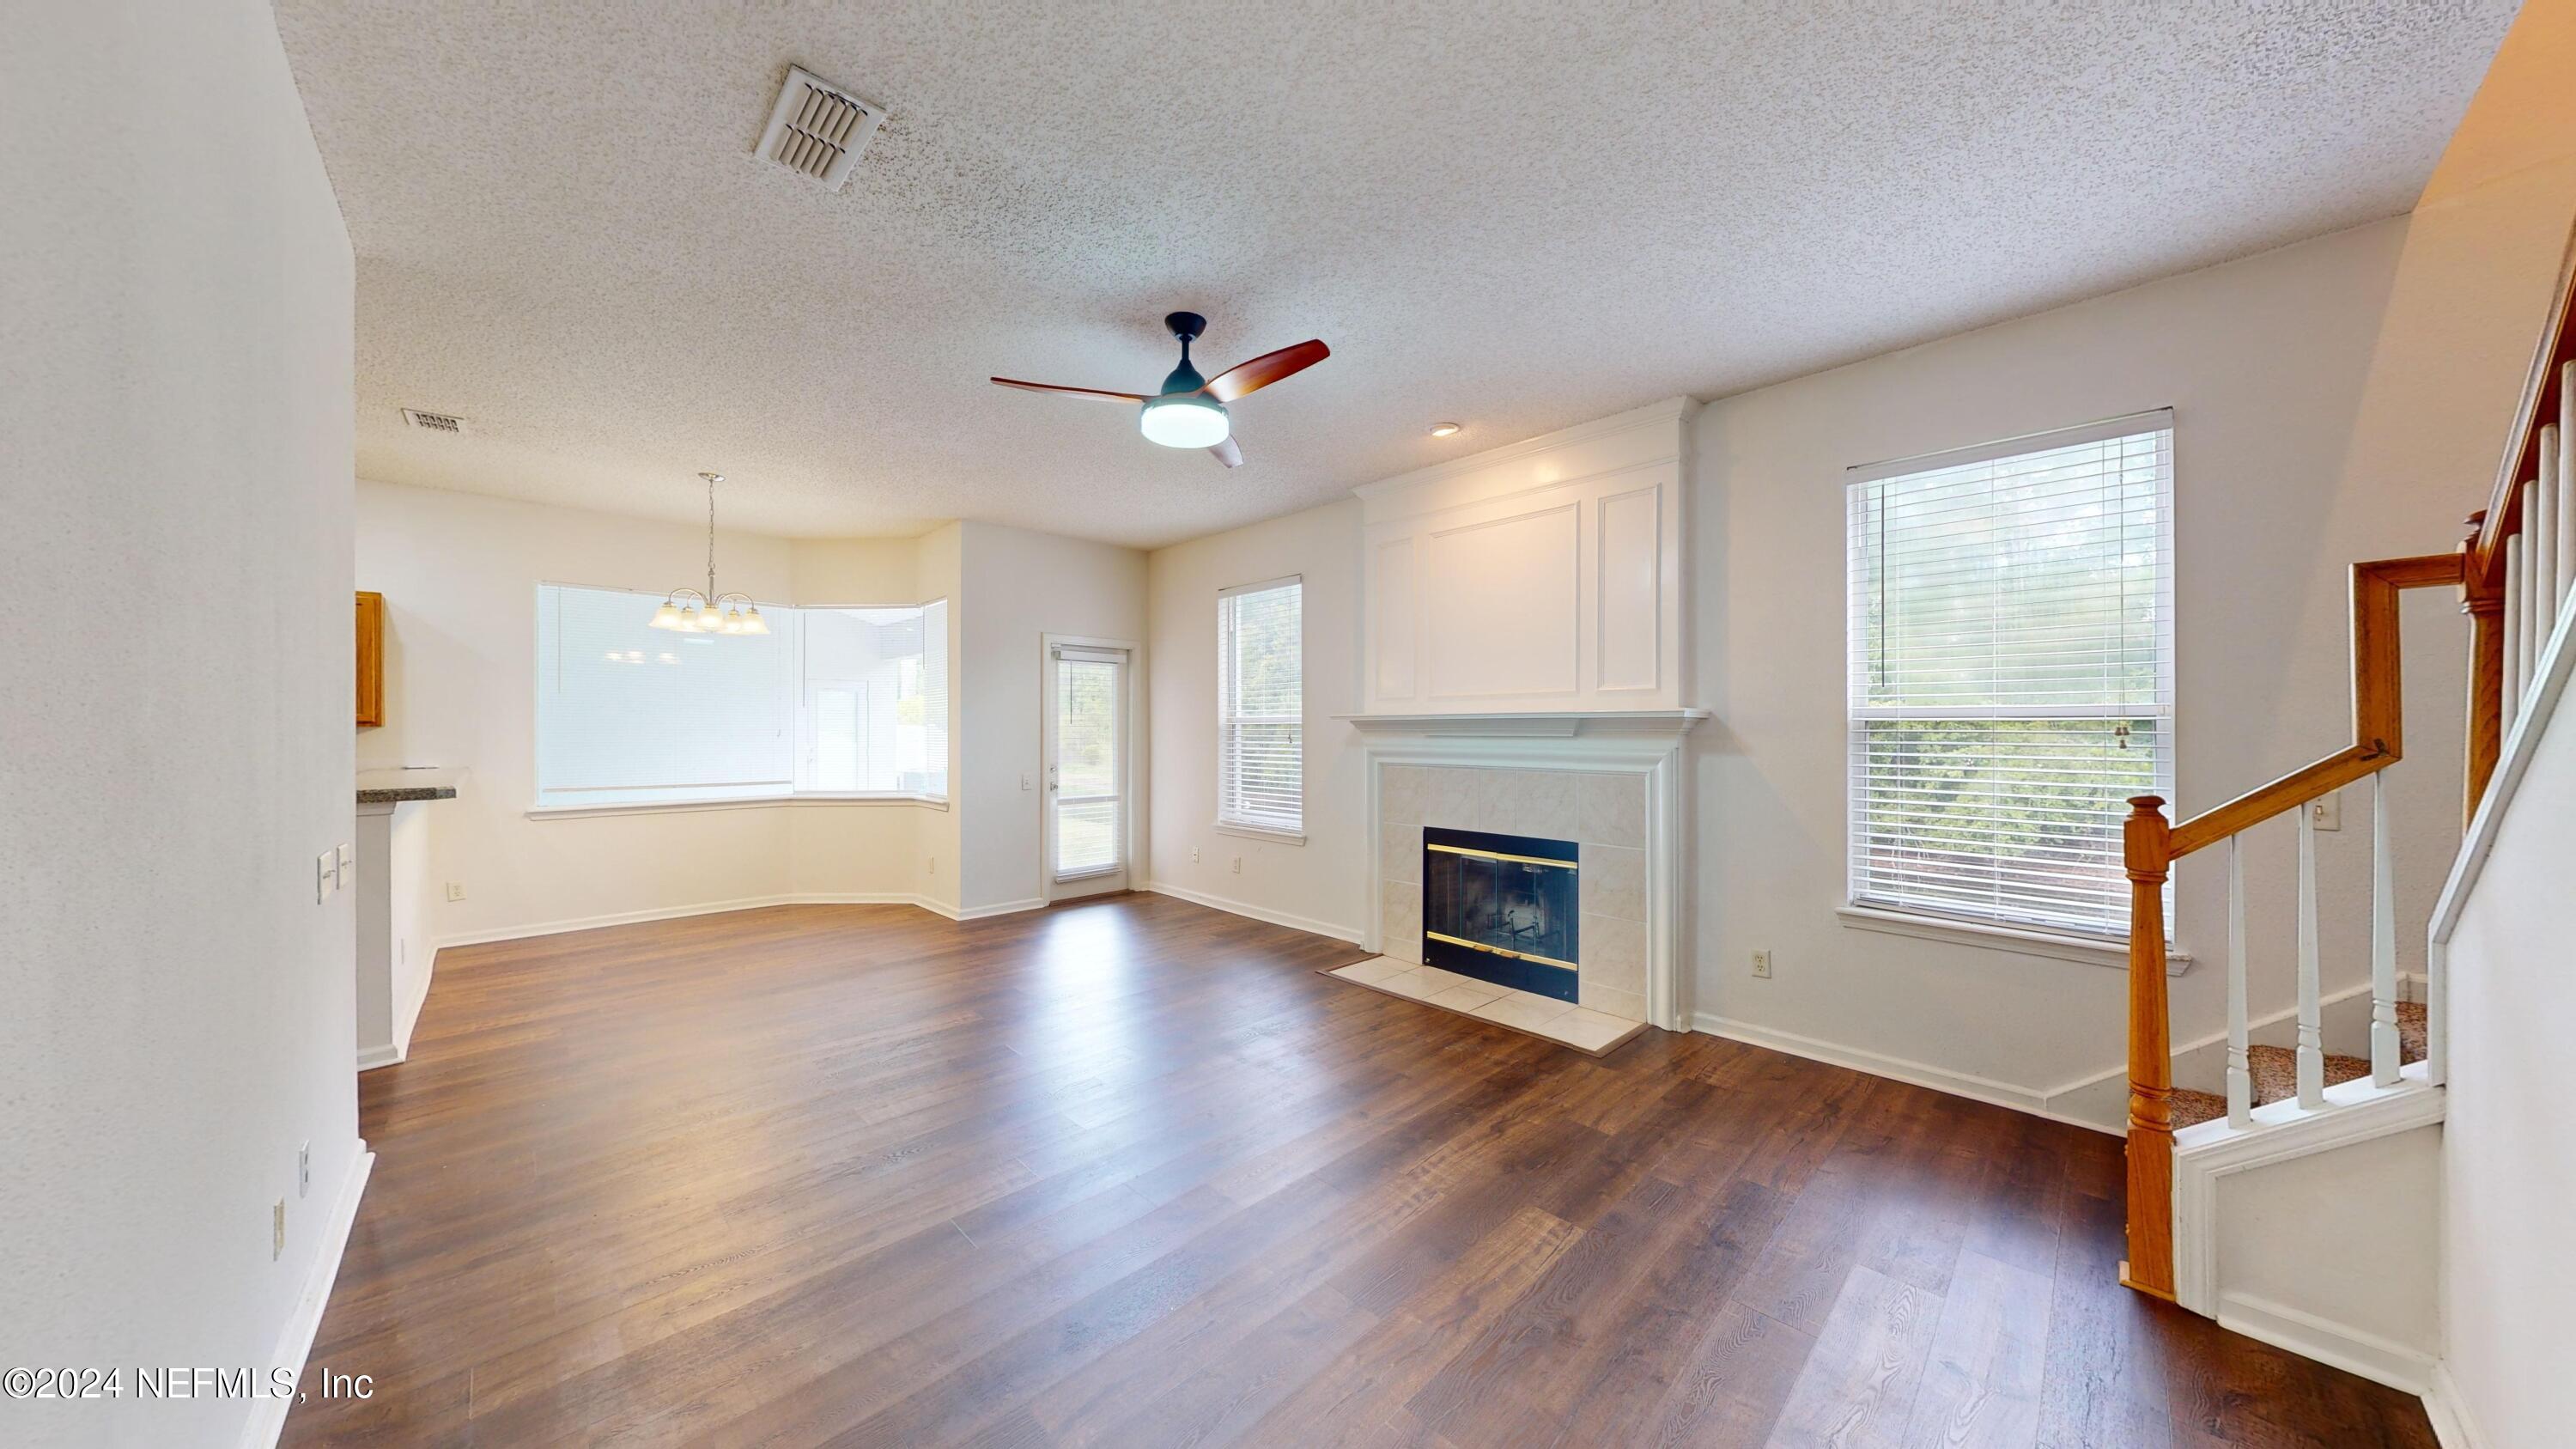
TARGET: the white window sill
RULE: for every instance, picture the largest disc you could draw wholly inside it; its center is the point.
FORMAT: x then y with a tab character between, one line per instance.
738	802
2091	950
1261	832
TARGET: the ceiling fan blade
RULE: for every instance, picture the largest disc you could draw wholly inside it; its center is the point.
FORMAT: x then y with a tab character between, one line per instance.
1260	372
1228	454
1123	397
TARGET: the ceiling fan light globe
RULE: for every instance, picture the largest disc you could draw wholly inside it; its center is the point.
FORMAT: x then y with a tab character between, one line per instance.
1184	422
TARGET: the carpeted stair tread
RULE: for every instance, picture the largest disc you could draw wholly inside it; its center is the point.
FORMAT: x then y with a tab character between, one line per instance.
2276	1071
2410	1031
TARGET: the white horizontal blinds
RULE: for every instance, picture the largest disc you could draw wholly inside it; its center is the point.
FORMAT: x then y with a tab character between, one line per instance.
627	712
925	764
1260	706
1088	799
2011	673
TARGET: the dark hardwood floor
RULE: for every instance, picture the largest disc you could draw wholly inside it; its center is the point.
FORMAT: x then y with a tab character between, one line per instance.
1131	1173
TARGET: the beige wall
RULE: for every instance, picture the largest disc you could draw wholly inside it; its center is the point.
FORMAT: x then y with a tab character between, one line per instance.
2267	363
2264	362
1019	586
1317	886
2509	1157
175	355
459	574
2493	220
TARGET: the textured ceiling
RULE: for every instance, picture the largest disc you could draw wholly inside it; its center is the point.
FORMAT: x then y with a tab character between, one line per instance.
1517	215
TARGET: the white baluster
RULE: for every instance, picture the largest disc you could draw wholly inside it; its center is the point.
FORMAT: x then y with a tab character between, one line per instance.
2312	1048
2541	526
2384	1053
2240	1075
2566	483
2514	629
2531	636
2437	994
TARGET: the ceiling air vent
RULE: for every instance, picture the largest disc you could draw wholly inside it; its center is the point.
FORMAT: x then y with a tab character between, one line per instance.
818	128
448	423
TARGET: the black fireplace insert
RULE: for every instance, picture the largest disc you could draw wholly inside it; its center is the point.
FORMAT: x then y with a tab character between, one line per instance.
1501	908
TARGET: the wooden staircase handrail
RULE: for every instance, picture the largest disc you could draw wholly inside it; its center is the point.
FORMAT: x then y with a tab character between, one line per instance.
2149	847
2502	517
2378	732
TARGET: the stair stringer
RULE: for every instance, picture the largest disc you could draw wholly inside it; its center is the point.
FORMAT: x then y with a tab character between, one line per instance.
2207	1155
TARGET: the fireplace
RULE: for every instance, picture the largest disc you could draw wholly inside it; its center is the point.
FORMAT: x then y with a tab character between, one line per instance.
1502	908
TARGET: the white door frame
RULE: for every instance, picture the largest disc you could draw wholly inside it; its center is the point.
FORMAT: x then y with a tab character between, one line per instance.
1130	791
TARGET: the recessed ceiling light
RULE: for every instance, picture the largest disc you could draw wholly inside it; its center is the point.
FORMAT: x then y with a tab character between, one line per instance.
1446	430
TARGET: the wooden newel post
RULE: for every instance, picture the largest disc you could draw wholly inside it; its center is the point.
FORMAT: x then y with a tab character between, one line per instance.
2483	602
2147	850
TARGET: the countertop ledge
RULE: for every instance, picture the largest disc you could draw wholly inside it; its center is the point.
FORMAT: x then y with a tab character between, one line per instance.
393	787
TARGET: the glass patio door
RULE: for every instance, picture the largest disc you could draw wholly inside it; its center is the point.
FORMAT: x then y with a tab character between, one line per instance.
1086	810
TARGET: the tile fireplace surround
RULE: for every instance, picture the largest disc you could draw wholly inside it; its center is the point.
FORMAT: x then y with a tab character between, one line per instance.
1610	781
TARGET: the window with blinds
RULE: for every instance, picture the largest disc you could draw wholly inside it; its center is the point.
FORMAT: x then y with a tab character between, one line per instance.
2011	674
829	702
1261	707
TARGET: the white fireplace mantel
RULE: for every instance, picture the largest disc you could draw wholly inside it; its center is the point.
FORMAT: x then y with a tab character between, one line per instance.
1534	724
1644	745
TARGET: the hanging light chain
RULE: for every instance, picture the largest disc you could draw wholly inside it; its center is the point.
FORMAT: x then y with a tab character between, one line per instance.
711	612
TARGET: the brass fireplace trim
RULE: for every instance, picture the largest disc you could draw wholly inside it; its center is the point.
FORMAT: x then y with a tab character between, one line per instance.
1497	950
1498	855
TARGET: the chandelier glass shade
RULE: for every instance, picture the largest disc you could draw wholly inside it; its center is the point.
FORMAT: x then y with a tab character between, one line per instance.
692	611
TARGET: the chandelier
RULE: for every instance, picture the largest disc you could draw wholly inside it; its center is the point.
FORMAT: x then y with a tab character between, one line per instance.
692	612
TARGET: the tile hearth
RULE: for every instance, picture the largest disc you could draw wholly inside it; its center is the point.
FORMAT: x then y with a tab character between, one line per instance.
1561	1022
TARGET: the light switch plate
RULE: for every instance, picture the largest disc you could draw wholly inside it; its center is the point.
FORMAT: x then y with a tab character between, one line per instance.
2326	811
348	863
326	875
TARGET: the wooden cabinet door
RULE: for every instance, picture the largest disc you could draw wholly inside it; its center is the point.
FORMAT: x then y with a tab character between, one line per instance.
371	658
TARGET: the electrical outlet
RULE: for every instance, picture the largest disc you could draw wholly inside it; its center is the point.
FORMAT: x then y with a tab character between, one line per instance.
277	1231
933	867
304	1169
1194	855
456	890
1762	964
1238	865
2326	811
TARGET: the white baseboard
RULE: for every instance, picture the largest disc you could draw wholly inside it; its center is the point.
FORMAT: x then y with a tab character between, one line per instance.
2374	1358
1005	908
717	908
295	1340
370	1058
2452	1426
1308	924
1920	1074
622	918
409	1016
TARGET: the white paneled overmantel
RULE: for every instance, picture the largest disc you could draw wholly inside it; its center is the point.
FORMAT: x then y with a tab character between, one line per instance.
1610	780
1542	576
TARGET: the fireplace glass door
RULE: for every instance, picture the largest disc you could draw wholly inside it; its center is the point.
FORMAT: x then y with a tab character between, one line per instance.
1501	908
